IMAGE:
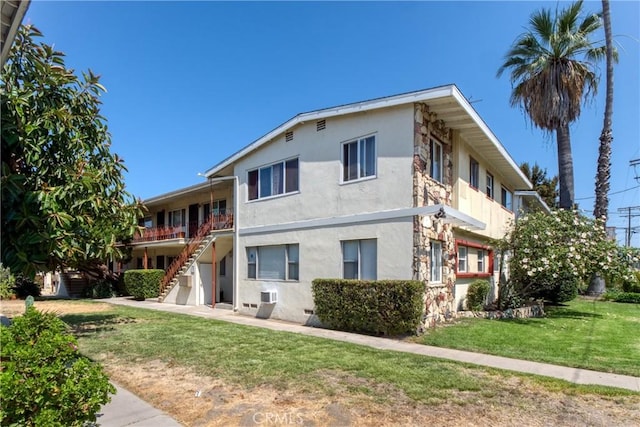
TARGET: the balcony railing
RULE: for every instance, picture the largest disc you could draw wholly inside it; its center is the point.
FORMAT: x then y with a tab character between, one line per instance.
219	221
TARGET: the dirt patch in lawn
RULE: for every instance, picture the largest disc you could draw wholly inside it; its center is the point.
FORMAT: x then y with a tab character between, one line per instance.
346	400
12	308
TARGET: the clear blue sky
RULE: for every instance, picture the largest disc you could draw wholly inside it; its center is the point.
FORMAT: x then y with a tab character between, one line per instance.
189	83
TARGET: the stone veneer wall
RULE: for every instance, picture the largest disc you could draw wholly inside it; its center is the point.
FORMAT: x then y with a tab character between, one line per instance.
439	298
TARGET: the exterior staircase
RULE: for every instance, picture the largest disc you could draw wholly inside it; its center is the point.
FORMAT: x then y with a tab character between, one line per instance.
189	255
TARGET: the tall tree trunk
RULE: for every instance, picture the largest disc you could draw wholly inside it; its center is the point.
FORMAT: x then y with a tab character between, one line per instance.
606	137
565	167
597	286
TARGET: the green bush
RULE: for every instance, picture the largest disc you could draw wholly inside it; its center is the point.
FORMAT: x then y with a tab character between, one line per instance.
45	381
632	285
143	284
26	287
101	289
7	282
477	294
388	307
565	289
617	296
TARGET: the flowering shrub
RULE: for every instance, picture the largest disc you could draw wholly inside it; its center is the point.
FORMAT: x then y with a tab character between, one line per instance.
552	254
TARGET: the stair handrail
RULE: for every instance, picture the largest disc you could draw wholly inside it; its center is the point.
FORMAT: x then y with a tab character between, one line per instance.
187	251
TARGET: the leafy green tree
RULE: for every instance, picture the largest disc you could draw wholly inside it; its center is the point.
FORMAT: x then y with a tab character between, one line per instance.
546	187
552	67
63	194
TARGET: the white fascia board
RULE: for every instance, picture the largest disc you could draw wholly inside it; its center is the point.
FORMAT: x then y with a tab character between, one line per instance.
490	135
532	194
459	219
176	193
391	101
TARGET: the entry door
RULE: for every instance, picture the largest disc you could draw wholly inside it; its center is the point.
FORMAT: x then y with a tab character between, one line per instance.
193	220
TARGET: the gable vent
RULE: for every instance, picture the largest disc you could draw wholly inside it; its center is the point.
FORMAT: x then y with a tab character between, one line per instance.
321	125
288	136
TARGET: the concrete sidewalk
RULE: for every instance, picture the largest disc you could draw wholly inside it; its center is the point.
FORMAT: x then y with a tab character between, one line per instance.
127	409
574	375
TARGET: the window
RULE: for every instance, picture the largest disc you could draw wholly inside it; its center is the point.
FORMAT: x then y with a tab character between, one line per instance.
272	180
359	159
360	259
277	262
435	252
474	173
462	259
506	199
489	185
223	267
177	218
480	261
435	167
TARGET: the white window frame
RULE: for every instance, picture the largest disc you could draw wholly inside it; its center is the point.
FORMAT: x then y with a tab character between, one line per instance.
435	261
359	261
481	264
253	263
360	162
508	204
474	173
436	159
463	259
182	215
275	192
489	183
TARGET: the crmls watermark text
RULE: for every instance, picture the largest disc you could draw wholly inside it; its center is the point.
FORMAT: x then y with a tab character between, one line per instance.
279	418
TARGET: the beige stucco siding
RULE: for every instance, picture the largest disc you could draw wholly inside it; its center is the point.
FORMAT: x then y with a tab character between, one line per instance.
320	256
322	194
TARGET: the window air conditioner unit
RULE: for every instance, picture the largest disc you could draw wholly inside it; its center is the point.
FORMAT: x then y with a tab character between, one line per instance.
269	297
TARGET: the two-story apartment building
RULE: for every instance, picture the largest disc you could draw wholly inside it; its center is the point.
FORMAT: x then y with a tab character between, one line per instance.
411	186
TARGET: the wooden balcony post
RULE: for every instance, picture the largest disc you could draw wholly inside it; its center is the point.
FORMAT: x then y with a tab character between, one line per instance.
144	261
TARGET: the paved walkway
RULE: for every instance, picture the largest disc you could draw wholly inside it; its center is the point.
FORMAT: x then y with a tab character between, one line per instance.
128	410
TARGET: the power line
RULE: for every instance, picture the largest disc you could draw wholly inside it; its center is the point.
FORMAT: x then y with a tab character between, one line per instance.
631	212
611	194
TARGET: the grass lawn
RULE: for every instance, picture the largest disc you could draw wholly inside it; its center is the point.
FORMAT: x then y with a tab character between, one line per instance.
206	372
598	335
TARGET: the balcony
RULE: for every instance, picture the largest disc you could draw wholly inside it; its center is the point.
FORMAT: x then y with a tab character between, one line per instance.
219	221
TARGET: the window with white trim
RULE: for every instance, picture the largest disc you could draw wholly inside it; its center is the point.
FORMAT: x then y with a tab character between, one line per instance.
481	264
275	262
506	198
360	259
359	159
489	185
272	180
474	173
177	218
435	261
435	164
462	259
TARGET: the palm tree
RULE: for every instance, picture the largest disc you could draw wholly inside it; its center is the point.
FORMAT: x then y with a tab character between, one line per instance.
597	286
552	72
606	137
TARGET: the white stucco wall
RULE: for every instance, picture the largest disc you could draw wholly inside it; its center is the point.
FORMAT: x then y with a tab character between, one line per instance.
320	256
321	192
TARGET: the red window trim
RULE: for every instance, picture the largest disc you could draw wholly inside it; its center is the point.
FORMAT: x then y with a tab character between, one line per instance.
475	245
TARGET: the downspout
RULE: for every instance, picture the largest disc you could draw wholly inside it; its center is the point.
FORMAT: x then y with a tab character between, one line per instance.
236	268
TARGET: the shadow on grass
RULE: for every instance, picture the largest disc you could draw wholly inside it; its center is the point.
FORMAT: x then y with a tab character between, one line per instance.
87	324
567	313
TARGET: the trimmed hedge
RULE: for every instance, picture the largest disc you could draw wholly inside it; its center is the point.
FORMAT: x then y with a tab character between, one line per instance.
617	296
142	284
477	294
389	307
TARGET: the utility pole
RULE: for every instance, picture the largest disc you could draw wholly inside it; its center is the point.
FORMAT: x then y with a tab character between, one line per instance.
629	212
635	163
